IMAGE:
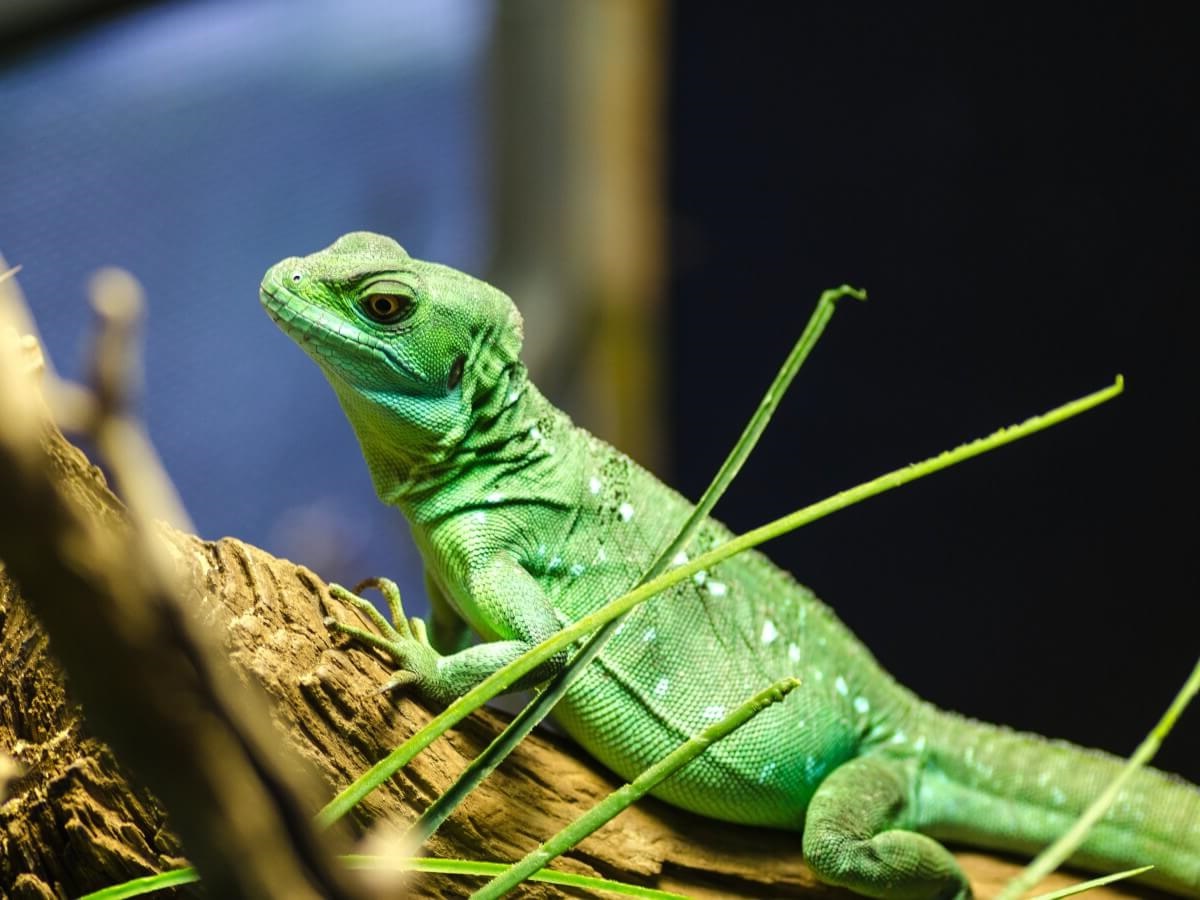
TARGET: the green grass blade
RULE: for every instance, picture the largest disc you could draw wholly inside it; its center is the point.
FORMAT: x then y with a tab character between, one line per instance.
1058	852
137	887
624	797
479	869
539	707
484	869
1094	883
148	884
504	678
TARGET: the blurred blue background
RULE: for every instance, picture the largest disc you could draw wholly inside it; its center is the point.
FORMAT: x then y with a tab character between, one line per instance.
195	144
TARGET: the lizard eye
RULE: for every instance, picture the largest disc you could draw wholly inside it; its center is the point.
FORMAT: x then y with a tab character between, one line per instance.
296	277
387	309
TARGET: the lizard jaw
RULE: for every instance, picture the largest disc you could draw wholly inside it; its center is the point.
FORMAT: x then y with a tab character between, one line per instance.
328	338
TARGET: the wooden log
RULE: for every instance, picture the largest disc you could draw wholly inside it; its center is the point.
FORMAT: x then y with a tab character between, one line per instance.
74	821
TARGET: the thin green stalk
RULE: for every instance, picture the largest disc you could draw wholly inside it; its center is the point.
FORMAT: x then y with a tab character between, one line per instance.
1056	854
504	678
138	887
625	796
477	868
1094	883
539	707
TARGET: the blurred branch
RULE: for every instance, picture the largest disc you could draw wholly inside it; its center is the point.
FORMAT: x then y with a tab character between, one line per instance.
103	584
578	227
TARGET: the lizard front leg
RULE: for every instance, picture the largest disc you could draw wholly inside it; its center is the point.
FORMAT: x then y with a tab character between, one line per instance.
447	631
503	592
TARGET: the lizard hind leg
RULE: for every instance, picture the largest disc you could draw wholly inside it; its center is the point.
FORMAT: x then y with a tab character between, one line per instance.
854	836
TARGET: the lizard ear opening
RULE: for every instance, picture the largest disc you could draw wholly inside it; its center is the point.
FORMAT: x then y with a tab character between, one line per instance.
456	372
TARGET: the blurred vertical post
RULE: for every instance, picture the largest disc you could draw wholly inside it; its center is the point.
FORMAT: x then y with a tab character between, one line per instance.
577	124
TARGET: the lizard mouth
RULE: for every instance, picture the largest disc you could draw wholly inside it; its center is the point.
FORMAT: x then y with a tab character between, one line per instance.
325	336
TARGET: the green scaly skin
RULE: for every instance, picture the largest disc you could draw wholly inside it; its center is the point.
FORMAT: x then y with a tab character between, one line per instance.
526	522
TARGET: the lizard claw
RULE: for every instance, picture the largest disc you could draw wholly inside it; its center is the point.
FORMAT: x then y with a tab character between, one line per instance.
391	595
403	639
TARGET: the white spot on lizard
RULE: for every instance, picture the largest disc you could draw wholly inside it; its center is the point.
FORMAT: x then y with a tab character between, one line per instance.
717	588
769	632
679	559
813	768
660	689
479	516
577	569
765	772
793	653
601	556
861	705
649	634
495	497
840	685
700	577
713	713
625	511
594	484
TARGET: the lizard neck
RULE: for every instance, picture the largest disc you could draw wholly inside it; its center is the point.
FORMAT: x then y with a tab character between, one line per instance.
428	483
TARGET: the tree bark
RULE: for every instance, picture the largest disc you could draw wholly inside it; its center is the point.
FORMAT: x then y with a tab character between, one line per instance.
74	822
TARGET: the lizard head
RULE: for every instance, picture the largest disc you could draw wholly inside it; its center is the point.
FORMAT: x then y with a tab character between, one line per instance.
418	353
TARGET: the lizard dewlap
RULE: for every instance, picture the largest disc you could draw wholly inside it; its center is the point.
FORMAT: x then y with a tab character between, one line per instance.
526	522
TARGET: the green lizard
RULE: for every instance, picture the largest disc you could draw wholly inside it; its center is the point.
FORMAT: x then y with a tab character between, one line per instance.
526	522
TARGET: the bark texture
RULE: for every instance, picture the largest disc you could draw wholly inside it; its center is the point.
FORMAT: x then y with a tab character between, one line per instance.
72	821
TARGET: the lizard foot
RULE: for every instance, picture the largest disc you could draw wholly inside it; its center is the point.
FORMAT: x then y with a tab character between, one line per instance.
404	639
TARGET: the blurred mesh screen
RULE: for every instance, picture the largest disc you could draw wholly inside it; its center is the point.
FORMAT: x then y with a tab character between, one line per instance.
196	143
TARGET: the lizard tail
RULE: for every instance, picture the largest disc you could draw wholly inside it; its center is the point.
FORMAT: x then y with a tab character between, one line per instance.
992	787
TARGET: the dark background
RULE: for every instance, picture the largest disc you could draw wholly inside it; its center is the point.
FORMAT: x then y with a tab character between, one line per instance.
1018	192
